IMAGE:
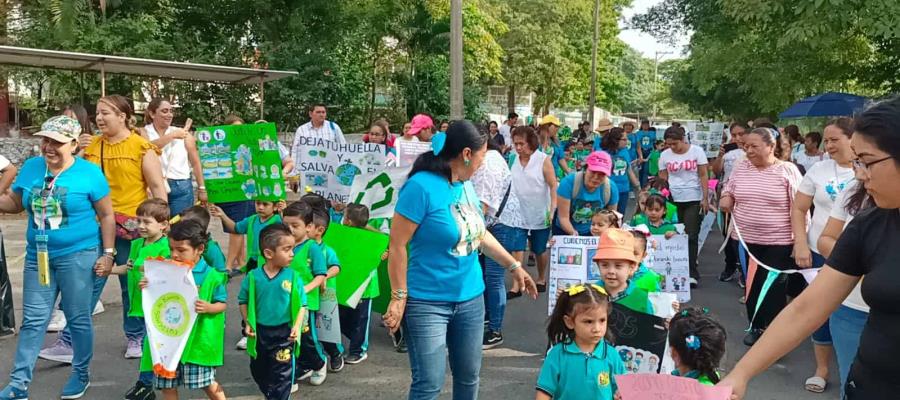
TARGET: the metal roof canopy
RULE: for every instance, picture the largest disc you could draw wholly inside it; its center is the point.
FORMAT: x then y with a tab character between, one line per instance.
28	57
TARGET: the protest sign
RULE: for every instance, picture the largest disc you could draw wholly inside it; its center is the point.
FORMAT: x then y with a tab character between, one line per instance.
571	264
168	304
669	258
705	228
668	387
707	135
379	191
241	162
640	338
407	152
359	251
330	168
328	319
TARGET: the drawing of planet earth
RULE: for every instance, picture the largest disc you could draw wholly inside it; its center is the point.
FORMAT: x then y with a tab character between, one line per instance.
346	173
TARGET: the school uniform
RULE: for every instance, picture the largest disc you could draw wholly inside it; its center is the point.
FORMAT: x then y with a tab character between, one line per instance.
251	227
646	279
214	257
569	373
273	305
633	297
309	261
140	251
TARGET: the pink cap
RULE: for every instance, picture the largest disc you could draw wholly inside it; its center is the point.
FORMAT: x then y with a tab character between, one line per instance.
599	161
419	122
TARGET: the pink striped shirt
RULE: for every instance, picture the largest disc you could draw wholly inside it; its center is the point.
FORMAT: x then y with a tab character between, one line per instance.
763	200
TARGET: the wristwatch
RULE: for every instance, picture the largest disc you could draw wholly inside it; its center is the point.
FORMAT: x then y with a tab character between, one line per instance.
109	252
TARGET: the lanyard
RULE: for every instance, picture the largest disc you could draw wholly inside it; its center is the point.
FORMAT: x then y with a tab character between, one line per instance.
49	185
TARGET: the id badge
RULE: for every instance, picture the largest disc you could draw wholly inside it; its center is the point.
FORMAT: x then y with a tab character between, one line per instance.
43	260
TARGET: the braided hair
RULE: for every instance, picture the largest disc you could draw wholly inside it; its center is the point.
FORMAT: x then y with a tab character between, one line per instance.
699	341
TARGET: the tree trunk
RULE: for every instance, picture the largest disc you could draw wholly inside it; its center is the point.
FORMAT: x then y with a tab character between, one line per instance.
4	78
511	98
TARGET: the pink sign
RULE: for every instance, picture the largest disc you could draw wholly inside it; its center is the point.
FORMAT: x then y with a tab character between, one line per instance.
667	387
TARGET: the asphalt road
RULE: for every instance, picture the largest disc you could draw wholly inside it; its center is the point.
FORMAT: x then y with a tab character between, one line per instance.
508	372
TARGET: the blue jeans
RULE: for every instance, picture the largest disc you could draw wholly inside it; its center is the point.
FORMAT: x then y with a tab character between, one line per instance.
846	328
133	326
623	202
494	279
434	329
70	275
181	195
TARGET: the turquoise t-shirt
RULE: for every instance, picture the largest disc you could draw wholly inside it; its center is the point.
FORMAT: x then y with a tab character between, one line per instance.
632	145
273	296
443	252
621	163
569	373
243	226
200	271
69	219
583	208
331	258
214	257
647	141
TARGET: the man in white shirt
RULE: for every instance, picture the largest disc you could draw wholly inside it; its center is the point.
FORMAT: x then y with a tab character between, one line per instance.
318	127
506	129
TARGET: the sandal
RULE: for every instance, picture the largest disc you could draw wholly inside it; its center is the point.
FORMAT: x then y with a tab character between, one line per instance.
541	287
816	384
511	295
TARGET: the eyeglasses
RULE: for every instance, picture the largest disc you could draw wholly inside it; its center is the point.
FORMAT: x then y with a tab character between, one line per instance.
864	166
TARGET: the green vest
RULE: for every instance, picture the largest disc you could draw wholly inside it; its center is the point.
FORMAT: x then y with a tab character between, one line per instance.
136	273
648	282
300	264
637	300
206	349
296	304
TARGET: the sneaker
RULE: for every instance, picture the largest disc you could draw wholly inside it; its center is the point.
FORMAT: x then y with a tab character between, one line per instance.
11	392
140	391
354	359
742	300
98	308
295	388
241	344
728	276
57	321
491	339
304	374
318	377
75	387
694	283
752	336
134	349
742	282
59	351
337	363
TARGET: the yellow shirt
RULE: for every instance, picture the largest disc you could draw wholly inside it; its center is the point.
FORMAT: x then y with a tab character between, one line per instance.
121	164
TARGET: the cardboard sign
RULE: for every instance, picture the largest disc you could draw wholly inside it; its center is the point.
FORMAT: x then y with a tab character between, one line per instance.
640	339
408	152
571	264
330	168
241	162
168	304
668	387
669	258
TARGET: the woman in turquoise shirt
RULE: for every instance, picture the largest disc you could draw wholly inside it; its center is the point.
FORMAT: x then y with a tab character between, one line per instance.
616	144
436	233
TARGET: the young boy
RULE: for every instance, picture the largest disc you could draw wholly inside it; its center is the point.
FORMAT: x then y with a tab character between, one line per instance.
153	222
580	154
213	254
316	231
266	214
273	306
204	349
617	263
355	322
309	262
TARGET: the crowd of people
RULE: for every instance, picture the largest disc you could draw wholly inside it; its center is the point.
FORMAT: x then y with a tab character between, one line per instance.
481	204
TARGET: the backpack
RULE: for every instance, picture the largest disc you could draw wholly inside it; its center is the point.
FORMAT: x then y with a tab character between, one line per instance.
579	182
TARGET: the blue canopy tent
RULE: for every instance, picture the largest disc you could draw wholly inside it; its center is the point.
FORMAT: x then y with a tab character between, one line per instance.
831	104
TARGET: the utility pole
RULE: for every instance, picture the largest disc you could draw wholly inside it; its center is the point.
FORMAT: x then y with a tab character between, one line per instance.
656	76
593	98
456	61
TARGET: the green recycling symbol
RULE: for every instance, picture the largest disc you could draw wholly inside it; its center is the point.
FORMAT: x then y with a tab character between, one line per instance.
384	181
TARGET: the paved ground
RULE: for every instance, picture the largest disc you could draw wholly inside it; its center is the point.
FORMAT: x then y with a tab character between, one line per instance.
508	372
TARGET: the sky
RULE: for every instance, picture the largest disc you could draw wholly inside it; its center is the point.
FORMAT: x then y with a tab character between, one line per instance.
642	42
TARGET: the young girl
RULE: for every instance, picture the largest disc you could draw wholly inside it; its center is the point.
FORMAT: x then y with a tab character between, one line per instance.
581	364
644	278
697	344
617	263
653	216
603	220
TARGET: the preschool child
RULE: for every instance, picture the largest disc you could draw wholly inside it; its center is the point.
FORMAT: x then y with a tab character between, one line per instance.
653	216
213	254
267	213
603	220
355	322
153	222
205	346
653	159
310	264
581	363
273	306
617	263
697	344
644	278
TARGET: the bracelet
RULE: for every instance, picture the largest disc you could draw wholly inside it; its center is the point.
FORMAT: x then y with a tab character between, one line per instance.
398	294
201	188
516	265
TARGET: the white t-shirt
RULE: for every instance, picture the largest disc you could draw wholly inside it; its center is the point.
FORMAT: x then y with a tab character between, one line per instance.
839	212
807	161
684	182
729	160
174	158
824	182
490	183
506	132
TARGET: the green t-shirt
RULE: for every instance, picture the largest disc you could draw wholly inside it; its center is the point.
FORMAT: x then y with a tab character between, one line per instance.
653	160
273	295
140	251
664	227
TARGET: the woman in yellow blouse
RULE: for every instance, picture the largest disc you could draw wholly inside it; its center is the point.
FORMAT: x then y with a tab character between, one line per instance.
132	168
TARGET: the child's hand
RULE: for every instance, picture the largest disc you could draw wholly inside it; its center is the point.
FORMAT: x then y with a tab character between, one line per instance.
676	306
670	234
295	333
617	396
201	307
280	205
143	283
551	242
249	331
385	255
216	211
338	206
323	287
